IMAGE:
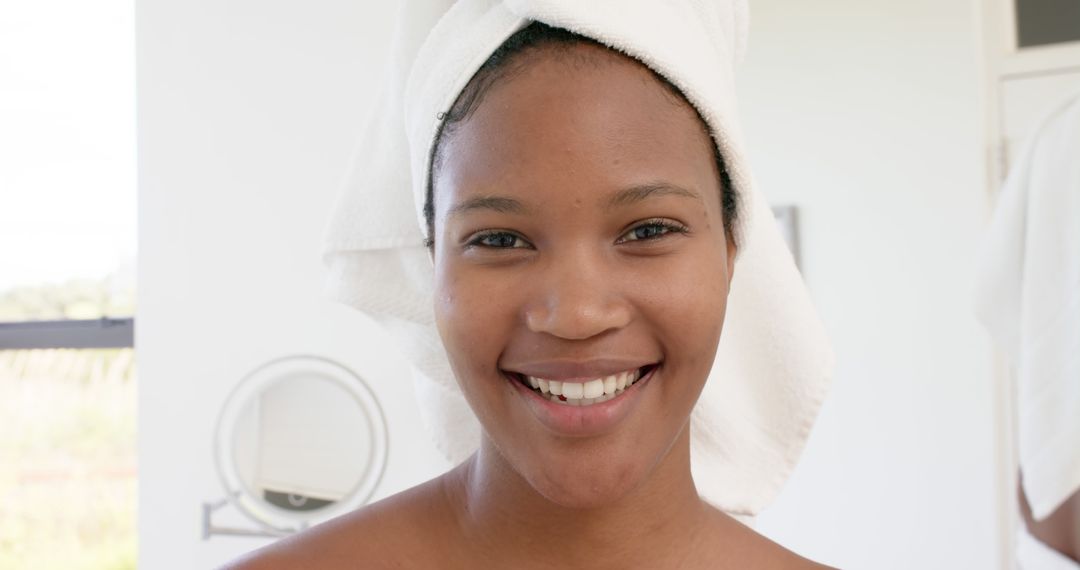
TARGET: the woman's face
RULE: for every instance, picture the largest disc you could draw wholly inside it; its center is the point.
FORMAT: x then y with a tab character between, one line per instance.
579	238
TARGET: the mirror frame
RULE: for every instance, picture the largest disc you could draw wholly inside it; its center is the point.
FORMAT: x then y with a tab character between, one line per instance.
270	517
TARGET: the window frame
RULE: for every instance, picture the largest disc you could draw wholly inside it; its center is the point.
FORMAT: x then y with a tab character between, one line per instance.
106	332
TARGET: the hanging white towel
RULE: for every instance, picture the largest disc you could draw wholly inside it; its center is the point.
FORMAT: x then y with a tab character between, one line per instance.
1028	296
774	361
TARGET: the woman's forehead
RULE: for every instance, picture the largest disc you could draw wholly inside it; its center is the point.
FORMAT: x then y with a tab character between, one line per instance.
595	116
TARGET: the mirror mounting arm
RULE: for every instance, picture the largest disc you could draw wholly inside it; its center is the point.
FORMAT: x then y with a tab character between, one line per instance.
209	529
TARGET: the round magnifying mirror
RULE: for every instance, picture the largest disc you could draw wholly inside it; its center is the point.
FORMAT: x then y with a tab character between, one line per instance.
300	440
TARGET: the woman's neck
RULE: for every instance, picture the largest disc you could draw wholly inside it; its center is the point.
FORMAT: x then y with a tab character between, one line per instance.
503	518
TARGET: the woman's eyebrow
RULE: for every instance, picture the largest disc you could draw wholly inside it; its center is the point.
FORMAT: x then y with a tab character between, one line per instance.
499	204
623	197
635	194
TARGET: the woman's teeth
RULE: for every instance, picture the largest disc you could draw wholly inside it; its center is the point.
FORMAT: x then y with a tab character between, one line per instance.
584	393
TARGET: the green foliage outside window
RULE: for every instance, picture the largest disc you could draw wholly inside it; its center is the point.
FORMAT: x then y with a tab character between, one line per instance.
67	445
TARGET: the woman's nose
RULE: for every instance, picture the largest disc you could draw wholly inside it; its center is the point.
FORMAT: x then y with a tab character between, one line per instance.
576	300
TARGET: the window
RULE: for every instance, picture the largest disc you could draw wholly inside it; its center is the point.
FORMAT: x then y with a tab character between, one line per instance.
1044	22
67	285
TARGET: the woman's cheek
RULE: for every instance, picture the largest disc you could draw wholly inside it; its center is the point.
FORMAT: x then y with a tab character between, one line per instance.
471	318
700	301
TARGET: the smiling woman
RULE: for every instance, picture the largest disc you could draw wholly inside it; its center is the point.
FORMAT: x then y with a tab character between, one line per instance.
583	228
608	265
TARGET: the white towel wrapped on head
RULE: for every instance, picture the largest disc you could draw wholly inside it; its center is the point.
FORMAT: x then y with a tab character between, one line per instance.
774	361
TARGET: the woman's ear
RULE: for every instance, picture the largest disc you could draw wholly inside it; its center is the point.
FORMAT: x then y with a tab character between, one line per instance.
429	245
732	251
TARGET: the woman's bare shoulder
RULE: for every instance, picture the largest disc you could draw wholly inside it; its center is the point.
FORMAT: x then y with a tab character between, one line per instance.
772	555
401	531
796	562
750	549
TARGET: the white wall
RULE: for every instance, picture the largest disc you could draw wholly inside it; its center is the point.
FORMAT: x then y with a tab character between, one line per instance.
248	111
867	115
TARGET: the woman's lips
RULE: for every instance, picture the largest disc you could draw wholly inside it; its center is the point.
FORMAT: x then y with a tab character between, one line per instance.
575	415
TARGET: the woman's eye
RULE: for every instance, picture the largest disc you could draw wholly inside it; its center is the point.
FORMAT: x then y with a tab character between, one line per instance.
498	240
652	230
